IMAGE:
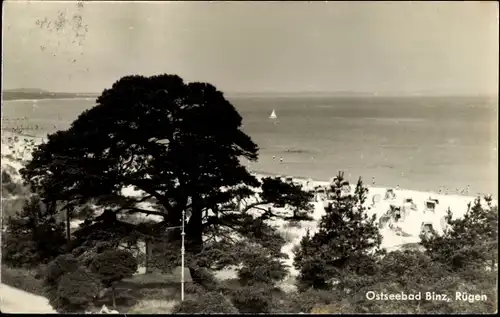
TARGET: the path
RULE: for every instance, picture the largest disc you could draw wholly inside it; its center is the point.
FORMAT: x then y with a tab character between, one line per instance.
13	300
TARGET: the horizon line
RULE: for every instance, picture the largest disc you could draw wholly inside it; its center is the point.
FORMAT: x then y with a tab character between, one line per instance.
337	92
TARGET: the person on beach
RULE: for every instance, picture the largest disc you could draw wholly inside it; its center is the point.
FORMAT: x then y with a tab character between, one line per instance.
274	157
397	187
373	180
281	159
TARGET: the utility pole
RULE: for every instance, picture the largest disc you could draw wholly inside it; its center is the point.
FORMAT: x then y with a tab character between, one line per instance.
182	255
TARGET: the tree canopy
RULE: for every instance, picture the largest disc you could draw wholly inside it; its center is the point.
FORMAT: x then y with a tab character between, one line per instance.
177	144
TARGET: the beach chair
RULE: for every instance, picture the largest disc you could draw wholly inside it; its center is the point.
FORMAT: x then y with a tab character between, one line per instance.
430	206
394	212
389	194
375	199
427	228
384	220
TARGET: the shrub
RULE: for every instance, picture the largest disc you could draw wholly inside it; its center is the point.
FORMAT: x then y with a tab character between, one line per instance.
76	291
193	288
306	301
253	299
204	278
258	266
32	236
12	189
61	265
6	178
69	287
208	303
112	266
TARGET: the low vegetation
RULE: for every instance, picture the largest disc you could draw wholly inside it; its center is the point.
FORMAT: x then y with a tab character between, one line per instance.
179	145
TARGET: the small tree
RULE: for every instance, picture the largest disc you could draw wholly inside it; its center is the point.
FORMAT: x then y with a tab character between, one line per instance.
346	234
253	299
69	286
259	266
76	290
32	237
469	241
112	266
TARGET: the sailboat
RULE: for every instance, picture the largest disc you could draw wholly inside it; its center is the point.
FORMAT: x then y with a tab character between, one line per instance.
273	115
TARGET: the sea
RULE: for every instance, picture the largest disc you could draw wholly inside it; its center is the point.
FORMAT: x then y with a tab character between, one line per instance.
419	143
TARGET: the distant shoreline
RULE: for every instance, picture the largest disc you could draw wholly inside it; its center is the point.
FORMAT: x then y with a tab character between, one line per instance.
26	96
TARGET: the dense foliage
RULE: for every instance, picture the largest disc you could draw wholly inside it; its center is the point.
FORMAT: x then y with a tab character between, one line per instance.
471	240
32	236
69	286
347	239
112	266
207	303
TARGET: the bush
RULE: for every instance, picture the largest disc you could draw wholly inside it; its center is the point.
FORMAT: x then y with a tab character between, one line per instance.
112	266
204	278
260	267
32	236
69	287
306	301
12	207
253	299
76	291
193	288
61	265
6	178
12	189
209	303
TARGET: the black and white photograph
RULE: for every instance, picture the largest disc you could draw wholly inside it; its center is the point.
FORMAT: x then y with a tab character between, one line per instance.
262	157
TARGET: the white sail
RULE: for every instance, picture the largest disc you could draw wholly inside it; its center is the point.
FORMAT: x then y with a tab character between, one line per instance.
273	115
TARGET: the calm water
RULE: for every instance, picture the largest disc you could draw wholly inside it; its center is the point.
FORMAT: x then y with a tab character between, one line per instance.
417	143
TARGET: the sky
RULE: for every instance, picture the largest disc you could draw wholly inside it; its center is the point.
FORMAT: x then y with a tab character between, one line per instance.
400	48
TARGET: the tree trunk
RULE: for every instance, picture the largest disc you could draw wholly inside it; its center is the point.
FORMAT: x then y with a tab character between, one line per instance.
113	296
194	232
68	232
149	254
